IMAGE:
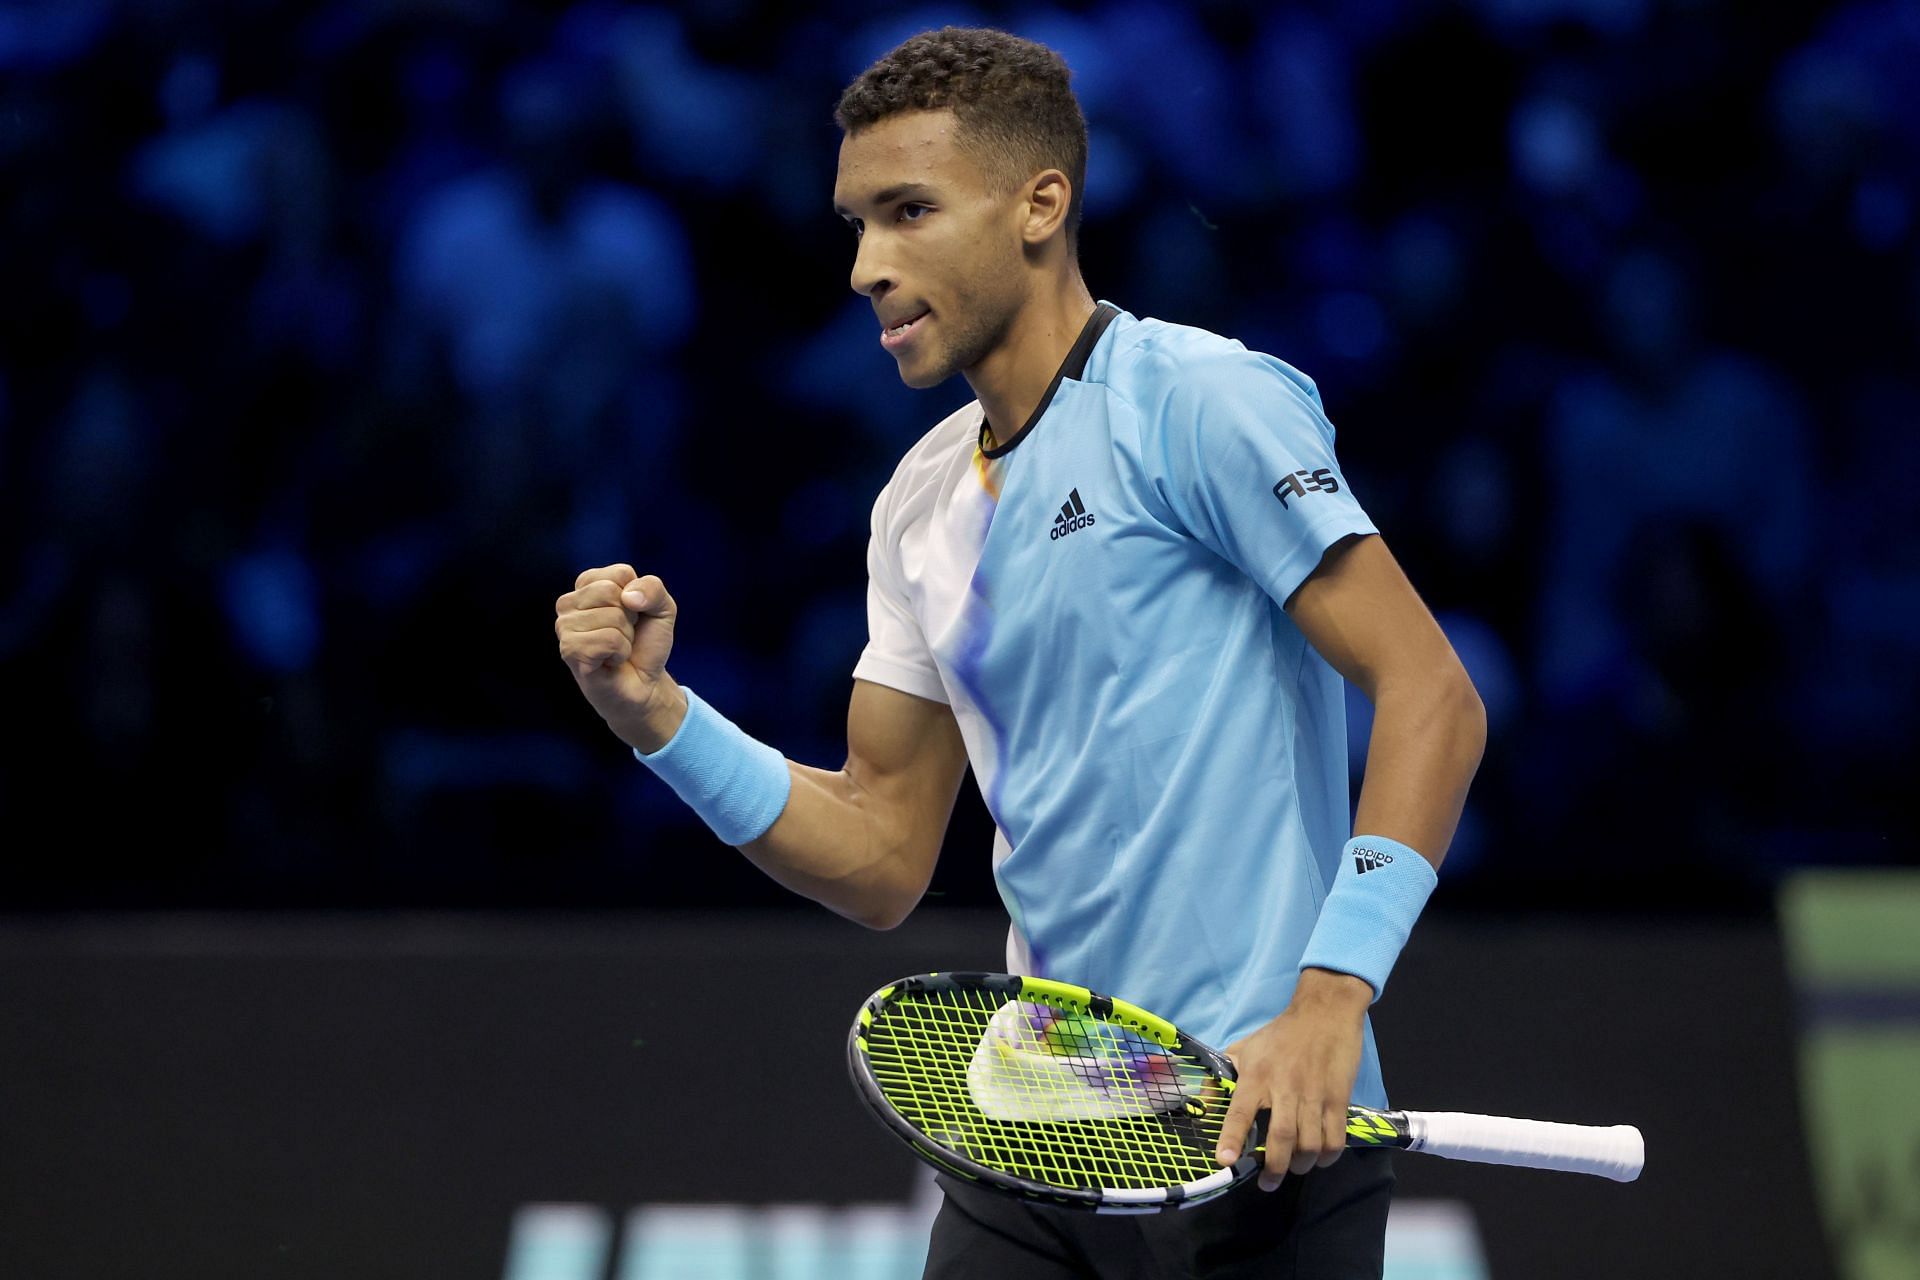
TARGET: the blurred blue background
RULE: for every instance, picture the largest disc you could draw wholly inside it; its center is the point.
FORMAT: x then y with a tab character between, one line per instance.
339	337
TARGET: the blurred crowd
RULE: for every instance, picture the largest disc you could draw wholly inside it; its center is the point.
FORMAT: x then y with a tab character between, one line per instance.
339	336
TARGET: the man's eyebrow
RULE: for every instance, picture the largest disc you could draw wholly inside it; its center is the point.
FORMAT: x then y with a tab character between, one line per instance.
898	191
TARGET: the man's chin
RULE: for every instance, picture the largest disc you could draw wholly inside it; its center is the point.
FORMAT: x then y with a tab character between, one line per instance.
922	377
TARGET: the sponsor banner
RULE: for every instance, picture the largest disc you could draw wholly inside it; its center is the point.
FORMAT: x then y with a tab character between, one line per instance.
554	1096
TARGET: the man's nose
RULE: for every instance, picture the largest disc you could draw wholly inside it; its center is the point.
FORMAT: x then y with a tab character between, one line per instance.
870	277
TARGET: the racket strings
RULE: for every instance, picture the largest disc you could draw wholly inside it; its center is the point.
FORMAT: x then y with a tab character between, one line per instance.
1162	1109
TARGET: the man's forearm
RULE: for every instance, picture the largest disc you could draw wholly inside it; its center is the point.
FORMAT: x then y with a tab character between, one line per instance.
837	844
1427	741
860	840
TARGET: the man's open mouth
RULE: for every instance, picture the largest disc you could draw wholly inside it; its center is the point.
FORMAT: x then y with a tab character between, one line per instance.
900	332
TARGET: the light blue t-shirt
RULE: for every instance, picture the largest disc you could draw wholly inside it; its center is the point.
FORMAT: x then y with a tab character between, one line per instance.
1099	598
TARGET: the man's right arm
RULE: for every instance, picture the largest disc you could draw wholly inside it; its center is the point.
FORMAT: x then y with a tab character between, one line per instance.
861	840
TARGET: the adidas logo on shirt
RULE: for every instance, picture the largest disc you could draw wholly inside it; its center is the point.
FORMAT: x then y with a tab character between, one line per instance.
1365	860
1073	515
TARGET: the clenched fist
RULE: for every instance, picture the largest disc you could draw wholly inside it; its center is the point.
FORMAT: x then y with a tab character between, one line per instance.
615	630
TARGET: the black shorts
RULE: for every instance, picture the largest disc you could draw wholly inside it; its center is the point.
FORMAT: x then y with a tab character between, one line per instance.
1330	1224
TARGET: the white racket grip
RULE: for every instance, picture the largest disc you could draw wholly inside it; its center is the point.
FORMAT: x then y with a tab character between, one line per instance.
1615	1152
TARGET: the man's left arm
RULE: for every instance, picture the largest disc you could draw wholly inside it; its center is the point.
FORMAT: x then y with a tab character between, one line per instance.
1361	614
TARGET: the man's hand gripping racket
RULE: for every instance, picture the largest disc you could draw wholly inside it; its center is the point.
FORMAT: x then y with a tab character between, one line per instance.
1053	1093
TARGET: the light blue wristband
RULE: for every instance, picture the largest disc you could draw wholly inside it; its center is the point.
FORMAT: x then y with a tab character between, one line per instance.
1369	913
737	784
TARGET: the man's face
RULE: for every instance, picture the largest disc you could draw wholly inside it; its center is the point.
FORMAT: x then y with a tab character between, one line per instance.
940	253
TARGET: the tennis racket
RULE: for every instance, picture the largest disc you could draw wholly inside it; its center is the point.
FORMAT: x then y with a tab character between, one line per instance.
1056	1094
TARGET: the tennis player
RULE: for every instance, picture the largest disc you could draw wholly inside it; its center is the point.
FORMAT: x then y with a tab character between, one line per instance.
1123	585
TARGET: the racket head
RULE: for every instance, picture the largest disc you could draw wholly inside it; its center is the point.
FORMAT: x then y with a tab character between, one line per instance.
1147	1100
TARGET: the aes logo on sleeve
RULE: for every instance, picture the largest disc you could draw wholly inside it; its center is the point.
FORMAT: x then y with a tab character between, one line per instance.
1302	483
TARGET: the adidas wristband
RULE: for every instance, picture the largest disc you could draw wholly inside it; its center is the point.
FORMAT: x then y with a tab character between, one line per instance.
1377	895
737	784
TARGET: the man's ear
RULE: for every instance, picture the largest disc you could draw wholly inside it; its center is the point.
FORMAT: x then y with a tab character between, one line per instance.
1049	197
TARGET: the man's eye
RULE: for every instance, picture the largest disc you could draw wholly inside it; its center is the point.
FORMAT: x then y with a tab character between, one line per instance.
912	212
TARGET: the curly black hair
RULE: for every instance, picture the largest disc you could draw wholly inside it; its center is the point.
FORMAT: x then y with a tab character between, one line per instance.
1011	97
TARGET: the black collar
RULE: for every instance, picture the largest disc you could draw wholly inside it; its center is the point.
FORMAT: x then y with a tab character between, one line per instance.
1072	367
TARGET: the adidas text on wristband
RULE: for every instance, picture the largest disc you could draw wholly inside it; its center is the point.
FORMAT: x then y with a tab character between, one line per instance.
1369	913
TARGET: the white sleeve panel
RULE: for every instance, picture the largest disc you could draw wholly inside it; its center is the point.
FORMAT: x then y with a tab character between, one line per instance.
897	654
